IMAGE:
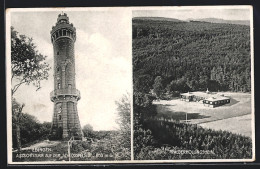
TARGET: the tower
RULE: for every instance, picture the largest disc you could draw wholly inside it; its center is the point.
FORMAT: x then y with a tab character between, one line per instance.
65	122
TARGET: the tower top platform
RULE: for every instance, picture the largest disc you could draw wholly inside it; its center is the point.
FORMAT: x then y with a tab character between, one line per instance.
63	18
63	28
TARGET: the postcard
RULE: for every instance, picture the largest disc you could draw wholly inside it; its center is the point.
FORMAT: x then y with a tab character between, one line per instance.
130	85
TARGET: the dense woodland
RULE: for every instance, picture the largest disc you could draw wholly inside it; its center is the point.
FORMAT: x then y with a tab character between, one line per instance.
182	136
170	57
202	54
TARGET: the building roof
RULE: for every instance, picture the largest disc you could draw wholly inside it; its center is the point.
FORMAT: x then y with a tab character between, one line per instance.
218	98
187	94
202	94
207	96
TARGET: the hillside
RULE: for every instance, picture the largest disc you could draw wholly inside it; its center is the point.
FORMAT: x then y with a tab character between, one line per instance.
191	55
216	20
157	19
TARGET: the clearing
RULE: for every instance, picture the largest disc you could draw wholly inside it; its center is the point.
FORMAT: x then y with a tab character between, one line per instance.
235	117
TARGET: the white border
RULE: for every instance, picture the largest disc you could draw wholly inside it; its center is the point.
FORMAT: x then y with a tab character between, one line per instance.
252	81
8	83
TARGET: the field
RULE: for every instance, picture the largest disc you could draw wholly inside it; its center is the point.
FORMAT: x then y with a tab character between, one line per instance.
235	117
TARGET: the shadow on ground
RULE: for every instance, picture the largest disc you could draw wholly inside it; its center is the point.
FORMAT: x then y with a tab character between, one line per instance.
164	113
232	102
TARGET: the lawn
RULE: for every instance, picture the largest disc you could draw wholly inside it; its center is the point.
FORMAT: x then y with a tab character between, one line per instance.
234	117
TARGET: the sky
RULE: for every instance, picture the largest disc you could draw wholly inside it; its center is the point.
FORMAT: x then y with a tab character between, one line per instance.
102	54
186	13
103	63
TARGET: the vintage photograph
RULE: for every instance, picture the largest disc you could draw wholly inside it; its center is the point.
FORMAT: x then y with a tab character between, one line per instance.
130	85
69	79
193	96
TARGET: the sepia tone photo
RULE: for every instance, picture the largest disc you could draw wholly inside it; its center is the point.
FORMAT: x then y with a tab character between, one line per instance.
70	84
130	85
193	84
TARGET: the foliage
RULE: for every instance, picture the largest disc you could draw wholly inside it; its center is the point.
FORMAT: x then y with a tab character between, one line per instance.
27	64
181	57
16	119
221	144
31	130
115	144
87	130
124	122
203	55
142	108
179	85
158	87
104	145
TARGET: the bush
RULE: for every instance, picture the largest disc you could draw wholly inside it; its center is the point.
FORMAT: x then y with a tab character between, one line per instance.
31	130
222	144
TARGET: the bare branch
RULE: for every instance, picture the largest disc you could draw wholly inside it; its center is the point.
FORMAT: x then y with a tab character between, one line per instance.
16	87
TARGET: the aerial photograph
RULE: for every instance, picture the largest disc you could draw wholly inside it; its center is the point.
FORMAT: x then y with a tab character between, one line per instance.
192	78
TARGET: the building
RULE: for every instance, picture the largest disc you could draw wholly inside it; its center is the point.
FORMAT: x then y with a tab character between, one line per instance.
65	122
187	96
207	98
216	101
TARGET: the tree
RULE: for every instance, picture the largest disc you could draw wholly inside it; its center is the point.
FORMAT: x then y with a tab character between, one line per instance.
143	83
27	66
30	129
87	130
199	55
158	87
16	118
124	122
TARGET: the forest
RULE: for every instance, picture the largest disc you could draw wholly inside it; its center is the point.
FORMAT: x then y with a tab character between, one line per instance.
201	54
172	56
195	139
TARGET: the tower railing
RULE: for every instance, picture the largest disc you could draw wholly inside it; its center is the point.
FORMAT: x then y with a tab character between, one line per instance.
65	92
63	25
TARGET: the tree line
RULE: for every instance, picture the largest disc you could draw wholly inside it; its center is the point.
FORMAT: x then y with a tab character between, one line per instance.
205	55
174	57
223	144
30	129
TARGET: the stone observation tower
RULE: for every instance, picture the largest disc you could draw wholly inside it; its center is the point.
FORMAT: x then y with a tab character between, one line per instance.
65	96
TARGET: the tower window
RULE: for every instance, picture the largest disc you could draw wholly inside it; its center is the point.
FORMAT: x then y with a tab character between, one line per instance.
59	117
60	110
58	85
64	32
58	53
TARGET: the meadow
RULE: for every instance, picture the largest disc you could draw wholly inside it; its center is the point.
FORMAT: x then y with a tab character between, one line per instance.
235	117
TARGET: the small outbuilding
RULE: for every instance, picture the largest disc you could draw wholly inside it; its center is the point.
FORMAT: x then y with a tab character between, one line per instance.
216	101
186	96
